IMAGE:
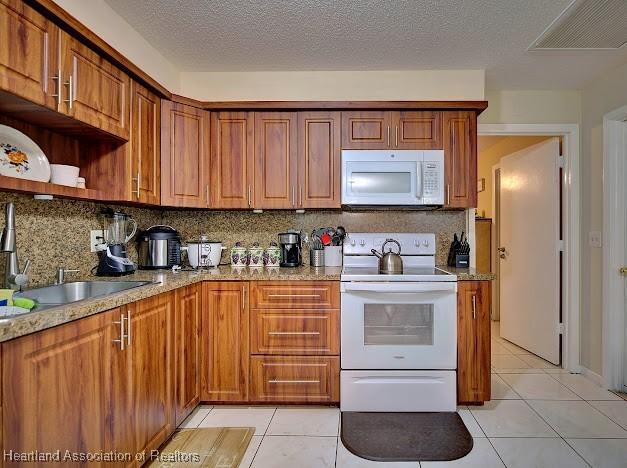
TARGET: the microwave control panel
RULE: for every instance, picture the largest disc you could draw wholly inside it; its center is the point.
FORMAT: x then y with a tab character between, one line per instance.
432	182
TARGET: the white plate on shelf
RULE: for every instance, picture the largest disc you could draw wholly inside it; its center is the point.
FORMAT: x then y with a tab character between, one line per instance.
20	156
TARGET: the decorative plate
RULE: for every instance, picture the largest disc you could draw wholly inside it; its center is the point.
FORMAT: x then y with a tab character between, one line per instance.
21	157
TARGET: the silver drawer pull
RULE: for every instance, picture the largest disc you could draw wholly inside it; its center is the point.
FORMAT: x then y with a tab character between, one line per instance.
293	381
293	295
294	333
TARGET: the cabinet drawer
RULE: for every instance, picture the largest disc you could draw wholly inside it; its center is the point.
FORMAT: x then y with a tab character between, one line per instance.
295	295
294	379
294	332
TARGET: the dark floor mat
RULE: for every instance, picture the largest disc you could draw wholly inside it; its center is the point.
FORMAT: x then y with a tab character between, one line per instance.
406	436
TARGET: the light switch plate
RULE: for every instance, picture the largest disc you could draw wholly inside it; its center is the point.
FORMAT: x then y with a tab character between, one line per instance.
96	236
595	239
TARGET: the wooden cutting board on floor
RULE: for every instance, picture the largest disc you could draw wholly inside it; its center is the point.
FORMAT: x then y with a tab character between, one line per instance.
208	447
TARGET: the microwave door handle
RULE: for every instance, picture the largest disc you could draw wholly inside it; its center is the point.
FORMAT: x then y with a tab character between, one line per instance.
420	182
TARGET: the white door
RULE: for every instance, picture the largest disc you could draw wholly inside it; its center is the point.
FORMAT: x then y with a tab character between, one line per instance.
529	252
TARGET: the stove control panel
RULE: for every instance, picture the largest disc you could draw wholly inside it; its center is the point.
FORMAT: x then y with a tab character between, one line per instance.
360	243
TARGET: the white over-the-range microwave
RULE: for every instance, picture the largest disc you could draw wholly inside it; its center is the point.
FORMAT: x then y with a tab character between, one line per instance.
404	178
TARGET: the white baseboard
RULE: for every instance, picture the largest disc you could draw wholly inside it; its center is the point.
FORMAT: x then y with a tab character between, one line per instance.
596	378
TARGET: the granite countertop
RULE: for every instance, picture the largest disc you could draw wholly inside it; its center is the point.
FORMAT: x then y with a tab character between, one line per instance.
162	281
468	274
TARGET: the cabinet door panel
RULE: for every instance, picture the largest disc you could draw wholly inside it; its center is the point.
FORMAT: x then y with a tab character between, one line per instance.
473	341
55	387
319	160
28	53
184	156
418	130
275	159
460	159
145	147
232	162
295	379
225	343
294	332
295	295
366	129
98	92
151	347
187	350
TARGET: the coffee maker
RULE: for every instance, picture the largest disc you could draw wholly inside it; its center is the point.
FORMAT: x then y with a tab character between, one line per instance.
291	249
113	258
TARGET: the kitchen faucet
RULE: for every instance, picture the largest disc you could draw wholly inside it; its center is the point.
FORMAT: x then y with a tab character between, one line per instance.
13	278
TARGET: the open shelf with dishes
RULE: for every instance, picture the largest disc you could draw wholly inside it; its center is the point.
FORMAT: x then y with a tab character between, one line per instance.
100	162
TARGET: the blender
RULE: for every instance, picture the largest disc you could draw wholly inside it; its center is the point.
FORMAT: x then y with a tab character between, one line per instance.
113	258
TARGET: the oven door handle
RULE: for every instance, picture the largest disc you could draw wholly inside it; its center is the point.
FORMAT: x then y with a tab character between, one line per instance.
398	287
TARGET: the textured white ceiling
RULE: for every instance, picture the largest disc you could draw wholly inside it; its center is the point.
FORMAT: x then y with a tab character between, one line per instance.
245	35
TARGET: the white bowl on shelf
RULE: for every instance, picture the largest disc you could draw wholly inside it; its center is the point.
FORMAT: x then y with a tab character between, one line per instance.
62	174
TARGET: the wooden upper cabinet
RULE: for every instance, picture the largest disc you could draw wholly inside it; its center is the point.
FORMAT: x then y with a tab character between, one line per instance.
187	350
185	150
225	346
55	387
145	146
319	151
275	160
473	341
392	129
94	91
232	150
460	159
366	129
417	130
28	54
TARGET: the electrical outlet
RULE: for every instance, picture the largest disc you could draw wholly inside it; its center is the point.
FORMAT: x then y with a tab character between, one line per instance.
96	236
595	239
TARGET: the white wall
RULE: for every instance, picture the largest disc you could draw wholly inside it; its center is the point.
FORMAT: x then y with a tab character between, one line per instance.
335	85
603	95
112	28
531	106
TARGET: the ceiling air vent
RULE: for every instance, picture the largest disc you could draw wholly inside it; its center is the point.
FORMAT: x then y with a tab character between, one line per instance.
587	24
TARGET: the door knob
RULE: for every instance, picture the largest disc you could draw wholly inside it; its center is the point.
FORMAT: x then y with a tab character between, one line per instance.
623	271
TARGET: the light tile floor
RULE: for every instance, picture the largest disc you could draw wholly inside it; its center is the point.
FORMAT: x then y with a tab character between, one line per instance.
539	416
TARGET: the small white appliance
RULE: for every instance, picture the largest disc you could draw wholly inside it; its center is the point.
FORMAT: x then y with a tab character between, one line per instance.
398	331
407	178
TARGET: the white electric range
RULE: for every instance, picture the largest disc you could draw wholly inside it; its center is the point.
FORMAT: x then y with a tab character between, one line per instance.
399	331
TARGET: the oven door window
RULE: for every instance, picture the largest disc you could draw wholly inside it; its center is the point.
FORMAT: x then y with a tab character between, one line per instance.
398	324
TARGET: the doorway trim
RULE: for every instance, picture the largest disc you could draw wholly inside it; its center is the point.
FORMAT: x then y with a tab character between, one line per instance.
571	217
614	252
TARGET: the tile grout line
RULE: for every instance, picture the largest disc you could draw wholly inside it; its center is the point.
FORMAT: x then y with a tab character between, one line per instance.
577	452
540	416
263	436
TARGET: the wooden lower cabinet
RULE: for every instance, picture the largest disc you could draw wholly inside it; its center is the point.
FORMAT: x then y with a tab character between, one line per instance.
295	332
150	335
473	341
295	295
55	388
99	384
224	343
302	379
187	310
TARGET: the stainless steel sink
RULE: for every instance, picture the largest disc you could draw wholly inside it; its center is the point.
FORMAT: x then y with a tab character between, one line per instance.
66	293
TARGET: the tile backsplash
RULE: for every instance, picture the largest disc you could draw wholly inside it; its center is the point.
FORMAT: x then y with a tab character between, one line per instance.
56	233
232	226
